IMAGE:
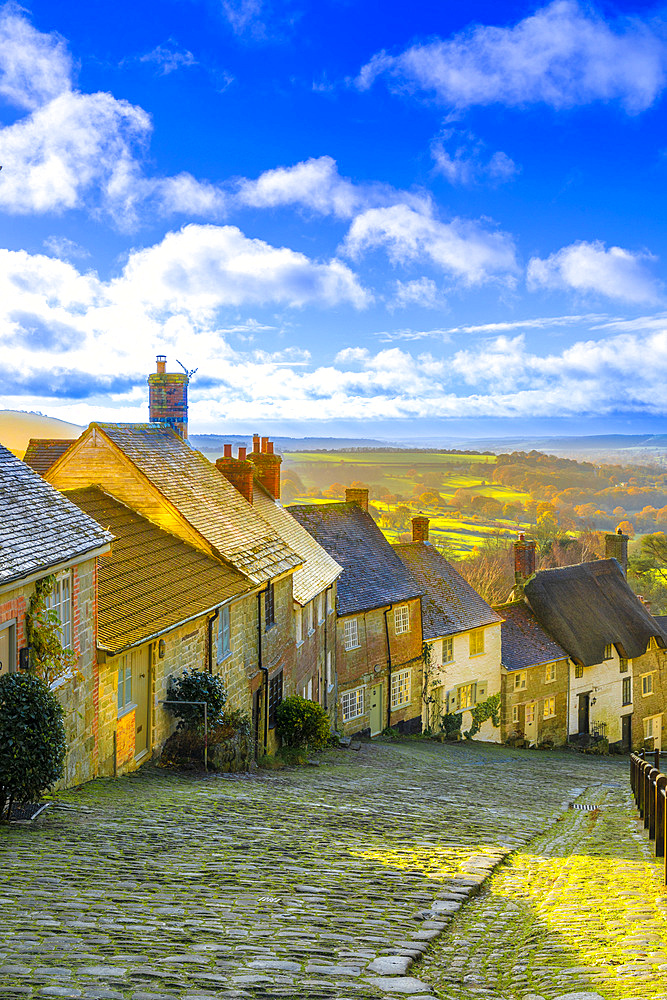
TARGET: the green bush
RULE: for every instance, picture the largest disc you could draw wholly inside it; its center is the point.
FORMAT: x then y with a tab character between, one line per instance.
196	685
451	723
301	723
33	743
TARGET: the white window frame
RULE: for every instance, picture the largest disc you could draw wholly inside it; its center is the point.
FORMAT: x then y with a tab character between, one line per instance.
515	715
320	608
626	686
401	619
298	622
352	704
309	618
470	690
351	634
550	703
609	651
477	642
448	650
10	628
124	685
550	673
60	601
330	682
224	637
647	684
400	688
520	680
652	726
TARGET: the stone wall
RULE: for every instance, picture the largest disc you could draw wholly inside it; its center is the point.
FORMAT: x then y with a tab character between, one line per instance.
537	689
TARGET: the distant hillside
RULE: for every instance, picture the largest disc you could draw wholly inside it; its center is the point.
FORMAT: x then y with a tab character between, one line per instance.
17	427
213	443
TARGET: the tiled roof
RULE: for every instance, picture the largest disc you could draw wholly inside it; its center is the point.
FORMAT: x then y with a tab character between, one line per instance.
319	570
524	642
449	604
587	606
204	498
152	581
373	574
39	527
41	453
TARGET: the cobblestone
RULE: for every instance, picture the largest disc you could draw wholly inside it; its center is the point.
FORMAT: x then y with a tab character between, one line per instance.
328	882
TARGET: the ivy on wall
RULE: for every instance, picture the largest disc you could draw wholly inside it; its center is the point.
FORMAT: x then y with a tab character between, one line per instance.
48	658
489	709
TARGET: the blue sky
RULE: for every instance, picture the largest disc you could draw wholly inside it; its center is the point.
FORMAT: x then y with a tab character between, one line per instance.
349	217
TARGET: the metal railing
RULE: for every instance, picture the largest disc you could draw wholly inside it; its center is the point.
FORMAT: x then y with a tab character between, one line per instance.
649	787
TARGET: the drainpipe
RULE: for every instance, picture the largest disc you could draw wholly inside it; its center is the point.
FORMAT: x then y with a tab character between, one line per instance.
386	629
326	647
210	640
265	670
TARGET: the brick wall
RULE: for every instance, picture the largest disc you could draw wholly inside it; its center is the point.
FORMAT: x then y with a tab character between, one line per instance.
645	705
367	667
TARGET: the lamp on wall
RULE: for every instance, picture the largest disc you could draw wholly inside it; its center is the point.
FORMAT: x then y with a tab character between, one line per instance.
161	648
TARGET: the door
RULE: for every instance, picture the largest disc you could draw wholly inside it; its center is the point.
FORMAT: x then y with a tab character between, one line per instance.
141	674
375	709
531	722
583	713
626	732
7	647
256	714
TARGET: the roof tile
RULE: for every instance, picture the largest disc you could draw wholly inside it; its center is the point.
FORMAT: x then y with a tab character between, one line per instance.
524	642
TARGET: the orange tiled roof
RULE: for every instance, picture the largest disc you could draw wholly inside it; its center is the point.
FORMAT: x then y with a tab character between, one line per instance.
204	498
42	453
153	580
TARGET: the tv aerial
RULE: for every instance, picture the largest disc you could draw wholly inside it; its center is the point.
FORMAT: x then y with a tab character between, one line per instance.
187	372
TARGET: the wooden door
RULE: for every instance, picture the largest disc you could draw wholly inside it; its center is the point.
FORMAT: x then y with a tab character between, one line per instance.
583	713
626	732
141	675
531	722
7	645
375	712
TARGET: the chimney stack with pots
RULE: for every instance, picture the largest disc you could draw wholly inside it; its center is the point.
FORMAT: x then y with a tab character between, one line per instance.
266	464
616	547
524	560
358	496
238	471
168	397
420	525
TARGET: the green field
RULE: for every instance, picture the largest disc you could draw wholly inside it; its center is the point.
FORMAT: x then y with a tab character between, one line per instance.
408	476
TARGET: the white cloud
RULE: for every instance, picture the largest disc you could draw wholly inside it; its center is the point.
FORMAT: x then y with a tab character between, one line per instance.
460	157
243	15
461	248
168	58
420	292
564	55
590	268
34	68
66	249
77	150
315	184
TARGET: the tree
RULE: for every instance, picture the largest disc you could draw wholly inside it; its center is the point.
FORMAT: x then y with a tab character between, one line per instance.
33	742
627	528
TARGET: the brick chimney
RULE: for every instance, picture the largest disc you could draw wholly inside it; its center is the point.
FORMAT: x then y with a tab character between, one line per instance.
524	560
237	471
168	397
358	496
266	464
616	547
420	525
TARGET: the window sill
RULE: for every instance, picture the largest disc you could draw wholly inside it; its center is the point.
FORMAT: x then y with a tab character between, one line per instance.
268	628
473	656
132	707
299	643
311	631
224	657
350	649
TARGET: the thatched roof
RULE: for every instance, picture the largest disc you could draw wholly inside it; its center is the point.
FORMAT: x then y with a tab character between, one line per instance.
588	606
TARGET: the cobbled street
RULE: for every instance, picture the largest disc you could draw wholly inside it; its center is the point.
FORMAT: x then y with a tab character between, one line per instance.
402	869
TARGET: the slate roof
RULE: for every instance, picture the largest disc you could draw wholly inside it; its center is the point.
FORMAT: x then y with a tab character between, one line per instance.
42	453
153	580
523	640
319	569
589	605
449	604
205	499
373	574
39	527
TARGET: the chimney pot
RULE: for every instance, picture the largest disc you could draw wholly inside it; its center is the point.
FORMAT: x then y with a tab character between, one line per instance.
420	525
242	452
358	496
269	447
524	560
161	362
227	451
